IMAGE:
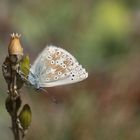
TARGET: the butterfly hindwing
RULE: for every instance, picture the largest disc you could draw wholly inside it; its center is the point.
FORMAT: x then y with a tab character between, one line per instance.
54	67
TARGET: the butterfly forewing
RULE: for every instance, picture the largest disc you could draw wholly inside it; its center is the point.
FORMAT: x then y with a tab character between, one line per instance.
55	66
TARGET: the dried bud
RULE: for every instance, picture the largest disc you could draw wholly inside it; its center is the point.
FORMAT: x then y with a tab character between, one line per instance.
14	47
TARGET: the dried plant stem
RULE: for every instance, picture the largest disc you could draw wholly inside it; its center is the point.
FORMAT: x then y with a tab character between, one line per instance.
14	94
14	123
10	68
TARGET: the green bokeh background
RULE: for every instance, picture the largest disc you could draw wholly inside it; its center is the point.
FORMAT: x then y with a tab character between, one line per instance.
104	36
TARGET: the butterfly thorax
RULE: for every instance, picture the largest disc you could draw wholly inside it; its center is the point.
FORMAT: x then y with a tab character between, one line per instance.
34	80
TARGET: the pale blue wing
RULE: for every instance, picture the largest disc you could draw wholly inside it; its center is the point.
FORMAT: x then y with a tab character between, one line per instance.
55	66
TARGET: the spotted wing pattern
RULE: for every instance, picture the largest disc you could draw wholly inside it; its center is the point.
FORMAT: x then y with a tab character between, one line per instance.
54	67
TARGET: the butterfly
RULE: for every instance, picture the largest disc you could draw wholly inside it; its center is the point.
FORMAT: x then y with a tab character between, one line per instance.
54	67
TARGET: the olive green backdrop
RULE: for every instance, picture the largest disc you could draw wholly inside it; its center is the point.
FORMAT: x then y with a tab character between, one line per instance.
104	36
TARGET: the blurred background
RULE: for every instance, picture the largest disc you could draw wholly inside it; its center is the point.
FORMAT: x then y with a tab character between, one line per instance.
104	35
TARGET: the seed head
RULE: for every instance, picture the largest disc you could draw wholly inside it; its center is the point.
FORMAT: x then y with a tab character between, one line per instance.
15	47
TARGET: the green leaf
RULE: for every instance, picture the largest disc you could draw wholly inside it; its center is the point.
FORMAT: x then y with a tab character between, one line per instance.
25	116
25	65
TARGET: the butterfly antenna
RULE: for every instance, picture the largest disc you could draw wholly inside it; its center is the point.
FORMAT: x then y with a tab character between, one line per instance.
52	98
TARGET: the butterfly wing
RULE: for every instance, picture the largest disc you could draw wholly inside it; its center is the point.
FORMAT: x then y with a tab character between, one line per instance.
54	67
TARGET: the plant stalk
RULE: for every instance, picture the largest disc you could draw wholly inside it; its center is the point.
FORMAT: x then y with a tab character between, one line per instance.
14	116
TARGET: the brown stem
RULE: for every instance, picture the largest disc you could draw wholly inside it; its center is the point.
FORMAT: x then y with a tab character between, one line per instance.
9	68
14	123
14	94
